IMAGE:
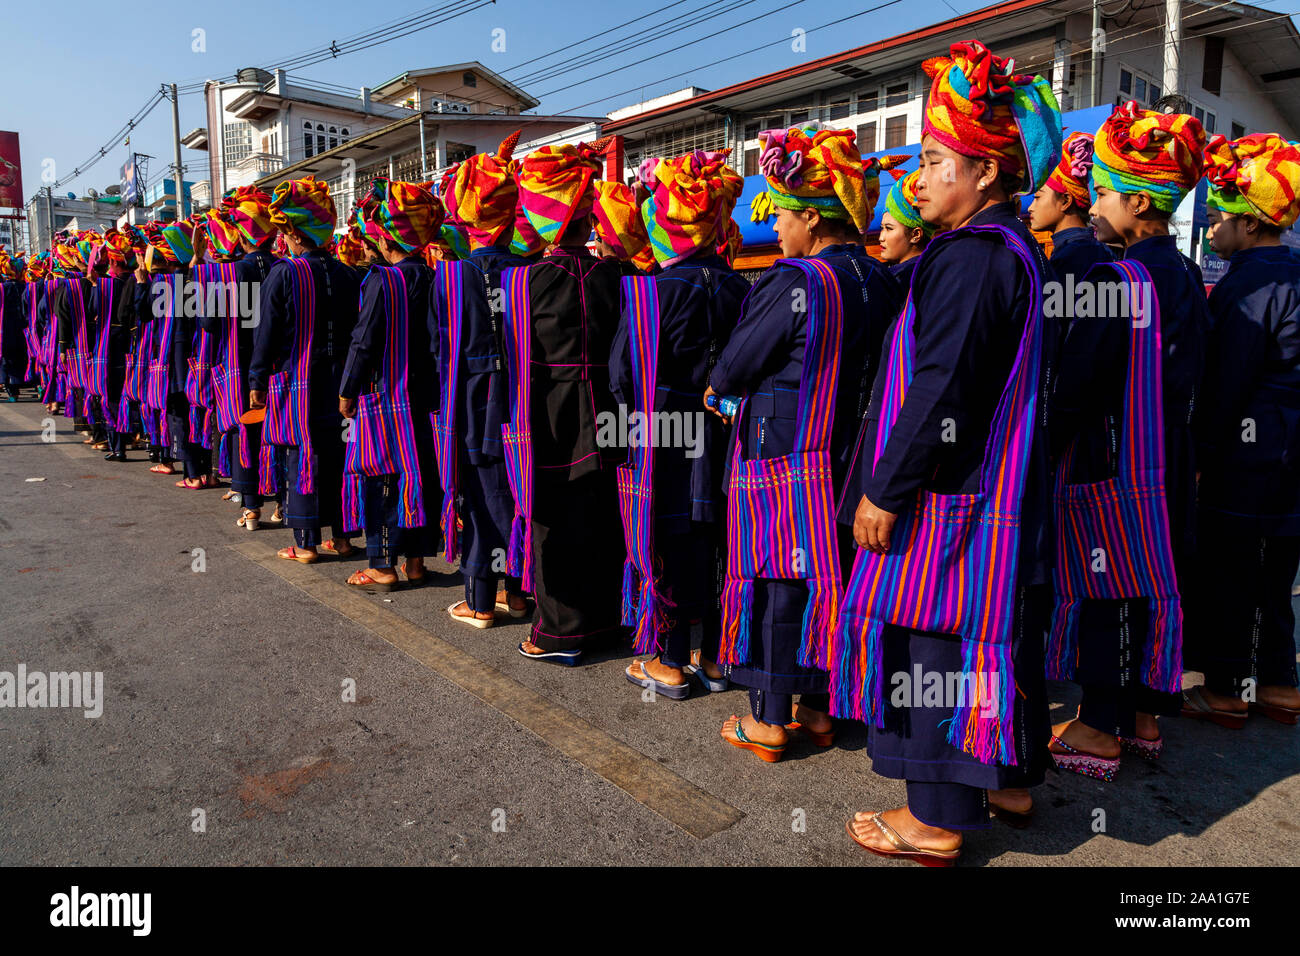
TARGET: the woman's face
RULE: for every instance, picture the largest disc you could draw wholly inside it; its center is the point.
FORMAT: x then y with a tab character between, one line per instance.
1111	216
894	242
1225	233
947	191
793	233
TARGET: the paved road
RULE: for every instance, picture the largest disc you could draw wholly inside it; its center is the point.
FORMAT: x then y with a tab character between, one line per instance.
224	693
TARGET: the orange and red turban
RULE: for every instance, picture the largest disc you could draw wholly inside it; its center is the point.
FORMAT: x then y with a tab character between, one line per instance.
1073	173
557	184
8	268
981	108
619	225
1257	175
250	210
481	194
304	206
408	214
871	170
690	203
351	249
812	168
730	241
1142	151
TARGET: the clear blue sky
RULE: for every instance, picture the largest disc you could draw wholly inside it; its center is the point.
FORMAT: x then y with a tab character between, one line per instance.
75	71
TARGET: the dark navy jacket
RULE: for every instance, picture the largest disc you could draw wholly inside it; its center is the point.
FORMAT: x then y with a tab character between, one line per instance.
483	399
699	302
1075	251
365	355
1088	401
335	287
764	358
251	271
1252	391
121	315
902	273
15	322
972	296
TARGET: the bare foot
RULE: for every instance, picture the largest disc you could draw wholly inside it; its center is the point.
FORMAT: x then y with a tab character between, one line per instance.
813	720
655	668
920	835
1228	702
1279	696
771	734
463	610
710	668
515	602
1147	727
1082	737
1015	800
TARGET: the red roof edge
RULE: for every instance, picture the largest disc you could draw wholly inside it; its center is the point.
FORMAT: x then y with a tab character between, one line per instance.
976	16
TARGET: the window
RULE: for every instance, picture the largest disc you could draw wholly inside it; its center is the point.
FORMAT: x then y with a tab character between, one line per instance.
320	138
1140	89
469	79
1238	131
751	162
308	141
237	141
1209	122
838	111
867	102
867	137
798	117
344	135
1153	92
459	152
1125	81
1212	66
896	95
895	131
334	136
751	131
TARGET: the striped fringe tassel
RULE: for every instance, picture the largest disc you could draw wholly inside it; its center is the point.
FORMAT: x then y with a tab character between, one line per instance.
737	609
1164	648
819	622
982	727
450	530
1062	640
353	519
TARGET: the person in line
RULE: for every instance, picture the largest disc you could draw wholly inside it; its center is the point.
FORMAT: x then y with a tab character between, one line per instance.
904	235
1061	207
1240	632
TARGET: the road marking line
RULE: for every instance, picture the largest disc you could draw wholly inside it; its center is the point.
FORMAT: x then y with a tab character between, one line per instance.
654	786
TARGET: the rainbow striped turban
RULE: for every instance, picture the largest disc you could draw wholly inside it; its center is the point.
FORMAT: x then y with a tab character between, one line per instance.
119	249
557	185
223	233
87	243
8	269
524	240
68	257
979	107
1141	151
690	202
351	249
871	170
1257	175
304	206
178	238
37	268
1070	177
812	168
250	209
901	204
481	193
406	213
618	224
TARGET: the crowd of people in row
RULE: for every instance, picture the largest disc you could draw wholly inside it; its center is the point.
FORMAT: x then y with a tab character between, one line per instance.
907	492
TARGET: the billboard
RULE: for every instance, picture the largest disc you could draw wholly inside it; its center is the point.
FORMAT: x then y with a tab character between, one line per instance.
11	171
130	184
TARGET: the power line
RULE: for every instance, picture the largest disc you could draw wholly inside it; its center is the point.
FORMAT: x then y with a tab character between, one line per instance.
594	36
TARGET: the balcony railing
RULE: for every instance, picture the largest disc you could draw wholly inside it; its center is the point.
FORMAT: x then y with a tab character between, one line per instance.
258	164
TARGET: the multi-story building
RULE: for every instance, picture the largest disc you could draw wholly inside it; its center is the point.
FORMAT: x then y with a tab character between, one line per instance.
92	211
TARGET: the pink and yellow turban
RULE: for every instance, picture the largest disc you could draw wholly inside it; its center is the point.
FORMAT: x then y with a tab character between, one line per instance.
901	204
223	233
1257	175
690	203
979	107
619	225
524	240
871	170
557	184
481	194
409	214
119	248
730	241
250	210
68	257
1072	173
351	249
304	206
38	267
813	168
1142	151
8	269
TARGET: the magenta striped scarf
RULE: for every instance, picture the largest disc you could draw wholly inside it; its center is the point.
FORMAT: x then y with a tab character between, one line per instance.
203	358
116	414
781	511
227	391
645	605
160	383
79	363
952	562
30	332
383	435
451	279
288	394
1112	537
517	434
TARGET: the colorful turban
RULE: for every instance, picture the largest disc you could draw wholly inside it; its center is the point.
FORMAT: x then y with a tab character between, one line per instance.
1142	151
1071	175
871	170
304	206
406	213
68	257
38	268
250	209
901	204
557	186
812	168
618	224
8	268
223	233
178	237
1257	175
979	107
88	242
524	240
119	248
730	241
351	249
481	193
690	203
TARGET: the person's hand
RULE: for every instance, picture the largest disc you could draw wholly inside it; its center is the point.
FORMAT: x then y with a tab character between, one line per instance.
873	526
257	399
347	407
707	392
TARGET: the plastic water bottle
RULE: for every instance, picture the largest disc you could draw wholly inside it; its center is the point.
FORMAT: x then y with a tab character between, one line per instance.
725	405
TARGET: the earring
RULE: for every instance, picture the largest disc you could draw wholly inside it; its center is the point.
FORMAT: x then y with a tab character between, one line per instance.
983	185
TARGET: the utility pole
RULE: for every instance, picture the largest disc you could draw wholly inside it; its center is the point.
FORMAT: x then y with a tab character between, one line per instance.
1173	47
49	218
180	170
